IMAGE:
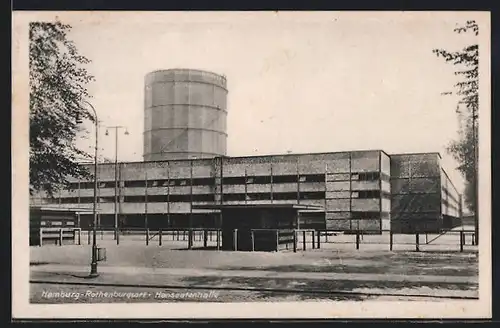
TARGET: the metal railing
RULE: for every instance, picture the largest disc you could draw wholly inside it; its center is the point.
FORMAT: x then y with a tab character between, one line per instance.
296	239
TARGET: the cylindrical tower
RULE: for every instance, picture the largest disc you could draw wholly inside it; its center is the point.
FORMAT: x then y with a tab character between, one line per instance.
185	115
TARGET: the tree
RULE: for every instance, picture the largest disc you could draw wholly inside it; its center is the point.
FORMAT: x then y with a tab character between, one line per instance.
58	81
464	149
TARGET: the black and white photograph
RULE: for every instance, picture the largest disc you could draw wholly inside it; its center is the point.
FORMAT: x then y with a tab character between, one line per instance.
251	164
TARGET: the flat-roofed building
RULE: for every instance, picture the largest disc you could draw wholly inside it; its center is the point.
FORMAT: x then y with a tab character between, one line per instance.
368	191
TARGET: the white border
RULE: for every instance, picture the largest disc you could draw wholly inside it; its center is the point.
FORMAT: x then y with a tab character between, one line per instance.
20	224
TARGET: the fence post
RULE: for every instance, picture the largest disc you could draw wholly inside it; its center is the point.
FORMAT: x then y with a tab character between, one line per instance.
357	239
147	236
277	240
417	242
461	241
160	235
390	240
294	241
235	239
217	237
312	239
60	237
319	239
205	238
252	237
304	240
191	234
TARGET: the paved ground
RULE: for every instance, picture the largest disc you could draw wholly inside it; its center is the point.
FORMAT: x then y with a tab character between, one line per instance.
252	276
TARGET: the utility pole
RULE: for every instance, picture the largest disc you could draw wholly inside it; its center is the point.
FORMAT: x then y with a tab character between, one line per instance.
116	128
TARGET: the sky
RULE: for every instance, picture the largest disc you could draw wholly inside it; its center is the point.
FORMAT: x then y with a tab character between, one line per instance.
298	82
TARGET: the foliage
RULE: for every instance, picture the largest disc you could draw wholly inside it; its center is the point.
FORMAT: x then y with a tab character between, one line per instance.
58	81
464	149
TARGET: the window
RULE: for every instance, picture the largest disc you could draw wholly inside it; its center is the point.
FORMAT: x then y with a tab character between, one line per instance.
368	176
312	195
365	215
369	194
284	178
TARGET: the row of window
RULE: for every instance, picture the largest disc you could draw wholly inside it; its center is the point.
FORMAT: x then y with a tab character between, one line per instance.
267	179
363	194
196	198
228	197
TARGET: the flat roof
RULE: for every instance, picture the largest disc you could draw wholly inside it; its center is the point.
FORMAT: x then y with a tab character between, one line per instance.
243	206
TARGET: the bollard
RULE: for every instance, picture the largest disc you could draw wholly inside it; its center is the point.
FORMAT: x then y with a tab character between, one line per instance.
462	241
277	240
357	239
319	239
252	239
60	237
205	238
117	236
304	240
312	239
294	241
88	236
326	237
417	243
210	235
390	240
79	236
147	236
473	240
40	233
160	235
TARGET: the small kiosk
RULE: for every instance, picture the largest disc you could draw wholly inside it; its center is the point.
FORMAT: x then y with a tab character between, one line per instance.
258	227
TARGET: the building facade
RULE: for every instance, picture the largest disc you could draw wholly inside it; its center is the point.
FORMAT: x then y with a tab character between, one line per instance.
369	191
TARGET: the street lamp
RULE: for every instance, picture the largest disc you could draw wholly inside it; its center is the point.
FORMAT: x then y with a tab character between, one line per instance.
116	128
93	264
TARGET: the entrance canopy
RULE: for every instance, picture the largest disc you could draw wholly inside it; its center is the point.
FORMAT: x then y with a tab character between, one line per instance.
298	207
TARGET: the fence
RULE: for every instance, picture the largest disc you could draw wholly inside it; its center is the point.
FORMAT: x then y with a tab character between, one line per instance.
293	240
60	236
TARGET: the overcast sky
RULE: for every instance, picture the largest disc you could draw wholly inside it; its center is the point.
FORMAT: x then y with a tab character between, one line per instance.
300	82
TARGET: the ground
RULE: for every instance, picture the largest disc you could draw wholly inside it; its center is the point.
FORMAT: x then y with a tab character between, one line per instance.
134	272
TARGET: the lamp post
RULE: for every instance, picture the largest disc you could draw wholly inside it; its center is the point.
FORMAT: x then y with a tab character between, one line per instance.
116	128
93	264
